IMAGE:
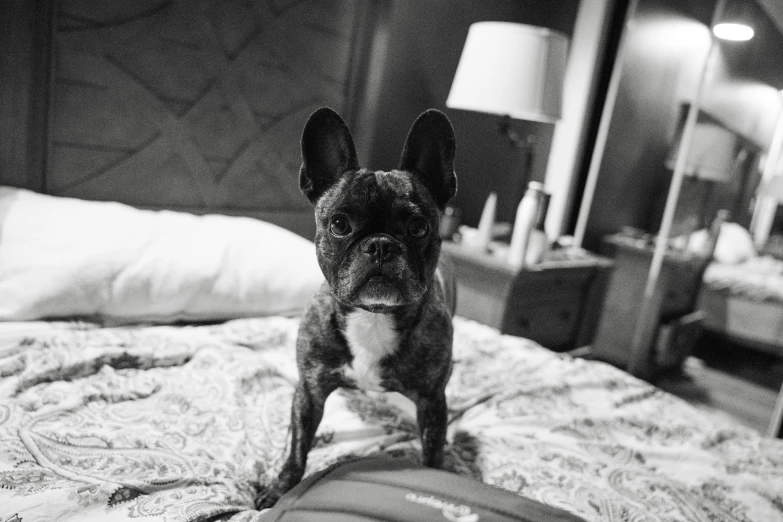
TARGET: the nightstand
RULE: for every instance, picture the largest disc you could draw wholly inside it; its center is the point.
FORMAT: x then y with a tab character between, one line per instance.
555	303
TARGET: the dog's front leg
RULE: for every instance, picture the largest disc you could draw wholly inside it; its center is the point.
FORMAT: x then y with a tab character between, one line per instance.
431	415
307	410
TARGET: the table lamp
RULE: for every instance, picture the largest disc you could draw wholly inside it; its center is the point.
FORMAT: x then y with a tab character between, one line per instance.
514	71
712	158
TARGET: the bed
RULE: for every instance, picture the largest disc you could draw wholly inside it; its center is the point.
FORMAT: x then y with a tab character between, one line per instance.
133	402
744	300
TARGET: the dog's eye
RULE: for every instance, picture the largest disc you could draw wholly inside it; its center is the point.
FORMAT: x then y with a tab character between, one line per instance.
418	227
340	226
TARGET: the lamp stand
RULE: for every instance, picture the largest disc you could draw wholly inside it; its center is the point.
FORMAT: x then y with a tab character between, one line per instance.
524	143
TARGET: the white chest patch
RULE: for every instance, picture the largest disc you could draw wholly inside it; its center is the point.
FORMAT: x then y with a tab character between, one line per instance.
370	337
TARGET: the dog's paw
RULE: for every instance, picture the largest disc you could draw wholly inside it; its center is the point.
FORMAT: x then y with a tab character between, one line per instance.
267	498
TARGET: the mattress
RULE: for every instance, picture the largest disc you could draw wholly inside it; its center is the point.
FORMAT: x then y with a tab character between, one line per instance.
188	423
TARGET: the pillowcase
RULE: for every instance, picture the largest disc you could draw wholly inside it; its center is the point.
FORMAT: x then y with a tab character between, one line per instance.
63	257
735	244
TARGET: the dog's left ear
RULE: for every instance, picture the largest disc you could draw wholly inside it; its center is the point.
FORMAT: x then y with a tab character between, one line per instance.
429	155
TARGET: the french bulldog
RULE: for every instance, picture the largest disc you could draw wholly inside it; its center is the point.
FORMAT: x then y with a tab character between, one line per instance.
382	320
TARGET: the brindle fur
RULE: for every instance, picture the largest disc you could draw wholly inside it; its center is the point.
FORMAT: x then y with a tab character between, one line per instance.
380	205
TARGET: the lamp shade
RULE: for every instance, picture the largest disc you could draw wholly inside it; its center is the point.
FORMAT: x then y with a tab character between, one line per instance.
711	155
511	69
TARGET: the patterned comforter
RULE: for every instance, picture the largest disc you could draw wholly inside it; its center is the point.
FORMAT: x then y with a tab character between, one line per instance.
187	423
758	278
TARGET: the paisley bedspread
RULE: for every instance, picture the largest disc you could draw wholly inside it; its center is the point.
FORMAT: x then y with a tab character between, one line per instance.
187	423
758	278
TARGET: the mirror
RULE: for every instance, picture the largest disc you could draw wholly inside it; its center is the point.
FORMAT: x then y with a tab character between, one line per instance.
688	120
663	52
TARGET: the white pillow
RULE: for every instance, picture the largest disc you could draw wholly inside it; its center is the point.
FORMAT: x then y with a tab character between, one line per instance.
62	257
735	244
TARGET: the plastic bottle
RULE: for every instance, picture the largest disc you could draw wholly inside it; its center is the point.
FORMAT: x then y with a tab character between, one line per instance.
523	223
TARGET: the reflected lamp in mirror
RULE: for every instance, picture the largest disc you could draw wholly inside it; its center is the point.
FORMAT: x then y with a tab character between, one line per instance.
712	153
710	159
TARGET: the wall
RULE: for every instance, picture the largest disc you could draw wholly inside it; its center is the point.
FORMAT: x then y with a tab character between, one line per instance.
424	45
666	48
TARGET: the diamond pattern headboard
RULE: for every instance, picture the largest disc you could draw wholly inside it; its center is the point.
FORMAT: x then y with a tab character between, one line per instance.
195	104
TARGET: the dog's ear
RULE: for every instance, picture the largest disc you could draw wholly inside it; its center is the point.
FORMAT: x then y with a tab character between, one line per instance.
429	155
327	152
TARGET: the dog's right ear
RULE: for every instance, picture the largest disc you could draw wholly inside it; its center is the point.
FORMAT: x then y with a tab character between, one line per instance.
327	152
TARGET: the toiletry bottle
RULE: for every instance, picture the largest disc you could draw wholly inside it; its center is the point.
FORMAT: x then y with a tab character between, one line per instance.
523	223
487	223
537	242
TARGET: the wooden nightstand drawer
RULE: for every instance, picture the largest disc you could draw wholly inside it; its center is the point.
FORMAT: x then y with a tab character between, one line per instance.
565	283
553	323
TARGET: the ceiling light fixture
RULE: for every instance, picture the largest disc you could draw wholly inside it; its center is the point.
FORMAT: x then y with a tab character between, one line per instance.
733	31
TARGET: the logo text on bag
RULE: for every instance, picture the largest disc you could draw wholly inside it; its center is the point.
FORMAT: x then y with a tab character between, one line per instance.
451	511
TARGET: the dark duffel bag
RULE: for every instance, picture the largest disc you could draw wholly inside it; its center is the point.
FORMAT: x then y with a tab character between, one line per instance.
392	490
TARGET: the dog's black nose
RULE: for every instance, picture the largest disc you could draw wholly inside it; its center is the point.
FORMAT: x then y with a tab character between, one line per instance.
381	248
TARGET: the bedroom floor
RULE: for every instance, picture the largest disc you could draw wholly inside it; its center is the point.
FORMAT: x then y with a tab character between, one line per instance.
731	380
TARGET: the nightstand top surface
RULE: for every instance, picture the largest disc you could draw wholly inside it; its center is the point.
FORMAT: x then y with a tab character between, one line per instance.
562	258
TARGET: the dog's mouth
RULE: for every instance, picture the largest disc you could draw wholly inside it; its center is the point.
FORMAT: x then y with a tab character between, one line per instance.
379	292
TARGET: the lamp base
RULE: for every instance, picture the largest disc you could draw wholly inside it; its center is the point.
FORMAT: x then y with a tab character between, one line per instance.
523	143
514	138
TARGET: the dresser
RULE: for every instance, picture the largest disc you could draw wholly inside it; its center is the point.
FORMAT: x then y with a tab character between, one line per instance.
556	302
